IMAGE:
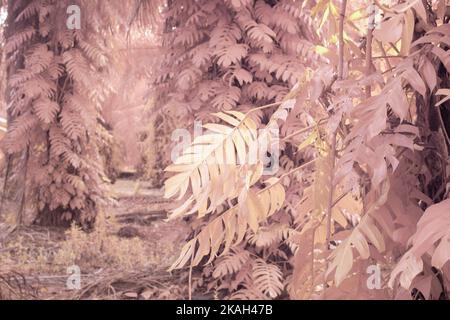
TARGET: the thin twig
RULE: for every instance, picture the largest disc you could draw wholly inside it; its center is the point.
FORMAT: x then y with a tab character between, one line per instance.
341	39
369	39
293	171
393	46
331	191
380	45
382	56
296	133
338	199
190	274
24	193
334	135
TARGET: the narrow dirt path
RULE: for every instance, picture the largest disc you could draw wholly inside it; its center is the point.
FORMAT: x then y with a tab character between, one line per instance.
141	211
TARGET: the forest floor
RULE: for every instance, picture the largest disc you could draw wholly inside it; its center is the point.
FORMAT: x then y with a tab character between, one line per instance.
125	257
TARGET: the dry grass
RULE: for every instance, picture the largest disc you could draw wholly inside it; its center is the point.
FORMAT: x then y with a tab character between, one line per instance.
99	248
34	260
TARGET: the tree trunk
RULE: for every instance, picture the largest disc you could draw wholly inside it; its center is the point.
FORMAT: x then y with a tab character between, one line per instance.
53	175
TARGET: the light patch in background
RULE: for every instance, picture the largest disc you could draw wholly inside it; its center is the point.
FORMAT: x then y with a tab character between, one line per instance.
3	15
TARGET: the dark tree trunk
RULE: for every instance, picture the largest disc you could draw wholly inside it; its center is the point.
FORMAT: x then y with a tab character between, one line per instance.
14	185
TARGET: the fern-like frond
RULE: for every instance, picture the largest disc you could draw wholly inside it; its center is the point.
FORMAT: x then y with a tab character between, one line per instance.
93	53
267	236
29	11
210	166
249	293
18	39
76	66
268	278
46	109
72	125
231	262
20	132
432	237
365	232
230	228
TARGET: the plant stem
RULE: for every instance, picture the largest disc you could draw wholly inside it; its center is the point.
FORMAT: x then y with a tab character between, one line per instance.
294	170
341	39
369	39
190	271
296	133
334	134
331	191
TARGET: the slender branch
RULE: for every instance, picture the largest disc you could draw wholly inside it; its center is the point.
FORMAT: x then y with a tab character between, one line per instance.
296	133
388	70
62	90
334	134
384	57
190	273
331	191
266	106
24	193
135	48
341	39
380	45
387	56
371	26
338	199
294	170
393	46
9	164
